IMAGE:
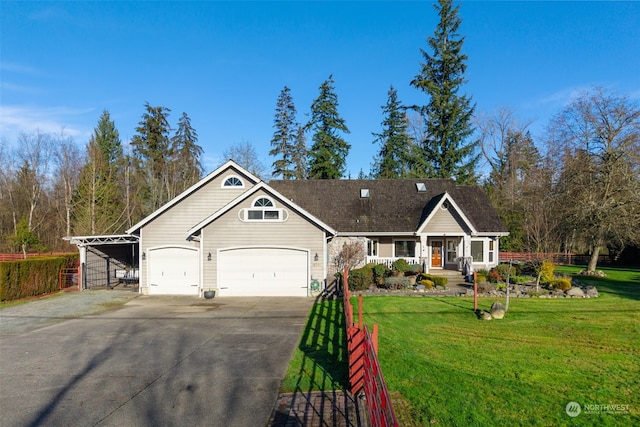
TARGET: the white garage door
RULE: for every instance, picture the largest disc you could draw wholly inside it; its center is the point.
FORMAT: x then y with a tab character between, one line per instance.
173	271
263	272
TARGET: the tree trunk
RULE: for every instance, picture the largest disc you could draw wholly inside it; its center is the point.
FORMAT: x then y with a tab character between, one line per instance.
593	261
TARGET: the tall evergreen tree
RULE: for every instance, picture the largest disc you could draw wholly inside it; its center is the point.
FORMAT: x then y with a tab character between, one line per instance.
328	153
446	154
98	205
393	159
299	155
186	164
285	137
151	152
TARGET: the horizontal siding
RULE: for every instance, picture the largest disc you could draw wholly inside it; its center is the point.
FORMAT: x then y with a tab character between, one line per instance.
445	222
229	231
171	227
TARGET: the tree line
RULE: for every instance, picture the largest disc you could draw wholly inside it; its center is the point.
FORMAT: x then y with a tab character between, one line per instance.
573	189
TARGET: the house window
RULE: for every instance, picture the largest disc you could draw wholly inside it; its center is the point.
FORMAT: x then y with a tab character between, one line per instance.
404	248
491	251
263	209
477	250
232	181
452	251
372	247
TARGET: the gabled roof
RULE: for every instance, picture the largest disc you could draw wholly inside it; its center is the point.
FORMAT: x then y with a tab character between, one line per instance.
436	203
247	194
230	164
393	205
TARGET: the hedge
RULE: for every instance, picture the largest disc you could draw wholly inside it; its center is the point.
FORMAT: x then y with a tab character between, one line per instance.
33	276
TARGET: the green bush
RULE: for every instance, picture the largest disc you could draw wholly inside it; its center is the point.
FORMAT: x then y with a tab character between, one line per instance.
397	283
361	278
505	270
546	272
562	284
414	270
521	280
380	272
400	265
482	274
428	284
437	280
32	276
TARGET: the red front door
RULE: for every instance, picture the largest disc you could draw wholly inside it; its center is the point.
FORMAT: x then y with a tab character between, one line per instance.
436	254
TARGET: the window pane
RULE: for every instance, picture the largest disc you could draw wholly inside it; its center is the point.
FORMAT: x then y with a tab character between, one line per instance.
405	248
254	214
477	251
233	182
372	248
271	215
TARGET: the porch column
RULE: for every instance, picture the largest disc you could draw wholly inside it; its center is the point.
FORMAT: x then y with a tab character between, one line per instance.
424	253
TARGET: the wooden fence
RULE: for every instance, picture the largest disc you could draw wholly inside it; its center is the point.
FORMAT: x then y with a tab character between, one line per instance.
18	257
365	375
556	258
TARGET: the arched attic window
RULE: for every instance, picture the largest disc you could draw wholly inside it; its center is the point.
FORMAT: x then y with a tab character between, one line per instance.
233	182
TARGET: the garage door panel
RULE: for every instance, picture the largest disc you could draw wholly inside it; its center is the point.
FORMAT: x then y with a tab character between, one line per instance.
263	272
173	271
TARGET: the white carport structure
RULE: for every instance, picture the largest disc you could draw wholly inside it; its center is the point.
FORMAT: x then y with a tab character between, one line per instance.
104	259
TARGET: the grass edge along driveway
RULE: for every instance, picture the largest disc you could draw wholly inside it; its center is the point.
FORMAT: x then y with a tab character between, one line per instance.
445	367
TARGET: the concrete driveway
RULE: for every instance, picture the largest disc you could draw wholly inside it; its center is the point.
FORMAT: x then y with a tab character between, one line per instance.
156	361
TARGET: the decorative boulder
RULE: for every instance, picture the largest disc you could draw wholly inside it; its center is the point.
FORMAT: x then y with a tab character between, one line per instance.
483	315
575	293
497	310
592	292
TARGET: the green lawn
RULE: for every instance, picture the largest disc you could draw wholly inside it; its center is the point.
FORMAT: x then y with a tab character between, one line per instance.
444	366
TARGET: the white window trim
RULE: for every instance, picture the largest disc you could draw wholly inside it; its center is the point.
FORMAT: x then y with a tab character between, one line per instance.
485	250
243	215
373	243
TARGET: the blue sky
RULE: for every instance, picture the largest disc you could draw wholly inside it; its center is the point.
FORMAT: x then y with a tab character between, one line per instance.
225	63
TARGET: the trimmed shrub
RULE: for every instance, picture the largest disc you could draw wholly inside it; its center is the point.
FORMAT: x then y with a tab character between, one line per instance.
494	276
32	276
361	278
428	284
562	284
506	271
482	275
521	280
414	270
546	272
397	283
437	280
380	272
400	266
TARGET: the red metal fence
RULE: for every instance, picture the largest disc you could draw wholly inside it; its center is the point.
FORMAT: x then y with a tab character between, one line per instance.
365	375
69	278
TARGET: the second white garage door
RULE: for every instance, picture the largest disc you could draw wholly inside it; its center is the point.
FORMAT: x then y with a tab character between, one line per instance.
263	272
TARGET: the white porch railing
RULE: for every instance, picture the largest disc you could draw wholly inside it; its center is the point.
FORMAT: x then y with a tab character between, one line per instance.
390	260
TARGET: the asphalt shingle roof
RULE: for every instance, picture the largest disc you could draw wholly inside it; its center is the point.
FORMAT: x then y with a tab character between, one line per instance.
394	205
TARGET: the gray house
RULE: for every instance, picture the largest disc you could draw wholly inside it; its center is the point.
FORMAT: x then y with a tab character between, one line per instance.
238	235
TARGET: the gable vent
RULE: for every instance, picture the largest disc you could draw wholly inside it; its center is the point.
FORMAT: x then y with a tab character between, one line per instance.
421	187
365	193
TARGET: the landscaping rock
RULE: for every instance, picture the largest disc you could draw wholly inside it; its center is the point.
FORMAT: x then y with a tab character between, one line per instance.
483	315
469	292
497	310
575	293
592	292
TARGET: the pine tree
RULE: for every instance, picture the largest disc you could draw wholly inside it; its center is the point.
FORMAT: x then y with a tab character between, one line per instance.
151	152
327	156
185	156
285	138
99	208
447	115
393	159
